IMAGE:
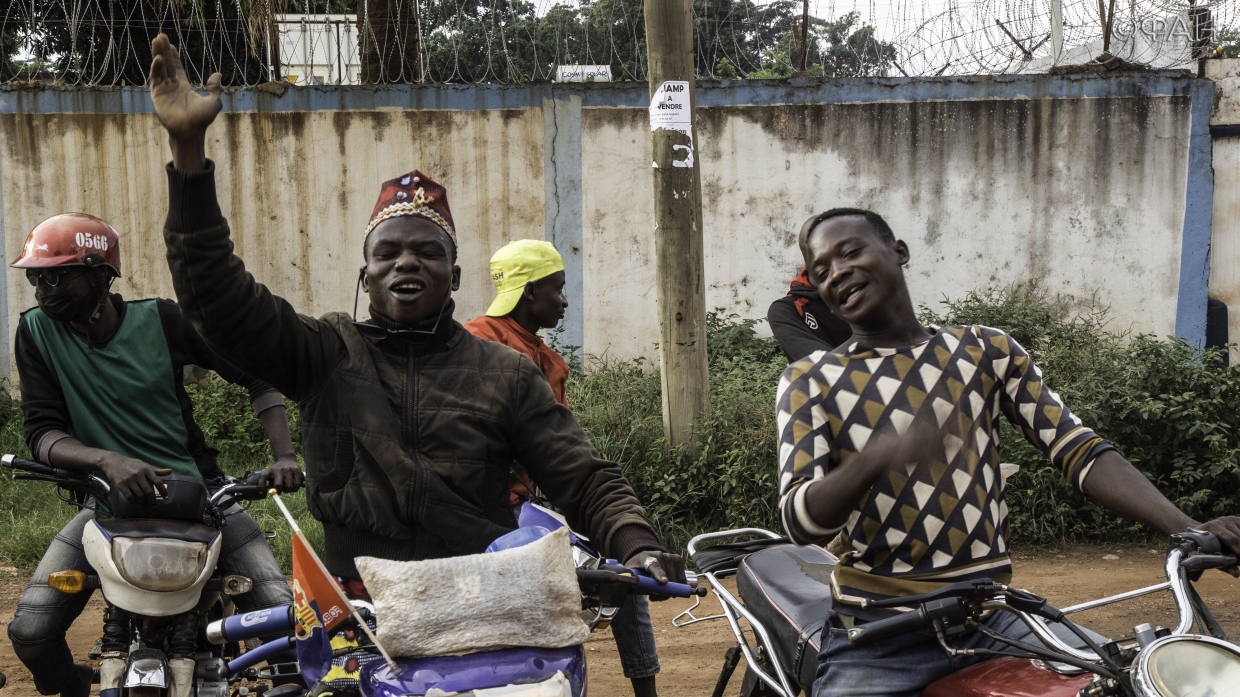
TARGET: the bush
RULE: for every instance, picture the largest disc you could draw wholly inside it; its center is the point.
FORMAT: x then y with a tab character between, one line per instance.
1172	410
732	480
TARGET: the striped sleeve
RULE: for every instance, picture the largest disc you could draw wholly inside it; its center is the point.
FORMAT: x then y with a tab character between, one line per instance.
804	450
1039	413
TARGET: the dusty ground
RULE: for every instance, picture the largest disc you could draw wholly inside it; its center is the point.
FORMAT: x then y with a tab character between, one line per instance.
692	656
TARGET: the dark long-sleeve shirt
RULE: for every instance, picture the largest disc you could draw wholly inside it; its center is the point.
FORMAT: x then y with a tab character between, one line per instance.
802	323
407	443
46	412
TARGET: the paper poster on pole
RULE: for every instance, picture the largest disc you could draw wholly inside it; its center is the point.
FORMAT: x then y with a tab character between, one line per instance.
670	110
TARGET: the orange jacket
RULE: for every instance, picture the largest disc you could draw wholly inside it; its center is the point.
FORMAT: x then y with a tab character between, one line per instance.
506	331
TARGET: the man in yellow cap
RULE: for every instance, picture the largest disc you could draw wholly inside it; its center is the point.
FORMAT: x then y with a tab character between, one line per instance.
529	278
529	284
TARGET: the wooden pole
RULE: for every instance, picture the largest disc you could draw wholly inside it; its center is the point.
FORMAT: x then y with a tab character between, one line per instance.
679	278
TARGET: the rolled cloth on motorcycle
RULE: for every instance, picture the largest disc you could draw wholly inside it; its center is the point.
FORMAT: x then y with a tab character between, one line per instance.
525	596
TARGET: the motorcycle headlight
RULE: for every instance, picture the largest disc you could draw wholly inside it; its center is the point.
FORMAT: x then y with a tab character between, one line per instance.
158	564
1189	666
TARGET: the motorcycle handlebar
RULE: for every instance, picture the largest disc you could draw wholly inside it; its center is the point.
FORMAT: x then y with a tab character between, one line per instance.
16	463
946	612
908	622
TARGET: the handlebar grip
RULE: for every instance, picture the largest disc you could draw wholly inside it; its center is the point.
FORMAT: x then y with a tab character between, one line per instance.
1200	562
909	622
648	586
17	463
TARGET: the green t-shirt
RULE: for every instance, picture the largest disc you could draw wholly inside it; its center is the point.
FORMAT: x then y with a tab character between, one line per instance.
122	395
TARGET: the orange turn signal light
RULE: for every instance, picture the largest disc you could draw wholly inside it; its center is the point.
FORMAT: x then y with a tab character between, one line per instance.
67	581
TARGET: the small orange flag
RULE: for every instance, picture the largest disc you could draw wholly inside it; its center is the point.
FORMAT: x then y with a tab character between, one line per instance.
317	599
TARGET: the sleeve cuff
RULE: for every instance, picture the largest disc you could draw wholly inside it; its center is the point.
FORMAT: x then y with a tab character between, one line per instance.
267	399
631	539
192	203
43	446
1090	459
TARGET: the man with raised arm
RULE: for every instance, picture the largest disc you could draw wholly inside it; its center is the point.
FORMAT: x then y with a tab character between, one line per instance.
409	423
893	438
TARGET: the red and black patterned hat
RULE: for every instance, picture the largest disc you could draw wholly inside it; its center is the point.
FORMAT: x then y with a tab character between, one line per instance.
413	194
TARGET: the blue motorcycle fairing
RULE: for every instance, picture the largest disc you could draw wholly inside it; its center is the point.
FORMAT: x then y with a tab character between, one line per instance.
476	671
517	538
534	516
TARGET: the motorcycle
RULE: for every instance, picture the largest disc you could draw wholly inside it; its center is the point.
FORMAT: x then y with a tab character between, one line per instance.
512	672
157	570
785	595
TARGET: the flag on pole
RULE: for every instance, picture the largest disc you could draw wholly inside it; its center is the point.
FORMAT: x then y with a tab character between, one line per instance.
318	607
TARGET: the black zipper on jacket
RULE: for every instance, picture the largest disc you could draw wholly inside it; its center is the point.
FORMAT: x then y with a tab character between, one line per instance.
411	446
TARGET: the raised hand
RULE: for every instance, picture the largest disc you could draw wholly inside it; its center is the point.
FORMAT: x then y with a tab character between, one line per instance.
184	113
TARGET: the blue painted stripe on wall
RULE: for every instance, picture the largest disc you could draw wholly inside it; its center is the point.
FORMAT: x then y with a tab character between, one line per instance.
712	93
1194	290
562	207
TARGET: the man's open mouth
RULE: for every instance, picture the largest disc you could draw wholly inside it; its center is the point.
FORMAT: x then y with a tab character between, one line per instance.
849	294
407	290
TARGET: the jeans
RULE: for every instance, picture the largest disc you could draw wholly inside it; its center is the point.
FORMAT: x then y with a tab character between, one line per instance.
44	615
635	638
899	666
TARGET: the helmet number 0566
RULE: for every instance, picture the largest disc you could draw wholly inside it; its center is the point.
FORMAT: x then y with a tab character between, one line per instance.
92	241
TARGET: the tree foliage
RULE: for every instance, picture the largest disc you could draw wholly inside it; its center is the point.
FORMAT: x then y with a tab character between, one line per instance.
463	41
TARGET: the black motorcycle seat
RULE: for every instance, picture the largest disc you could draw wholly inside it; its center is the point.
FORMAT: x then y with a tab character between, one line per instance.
184	530
788	589
723	560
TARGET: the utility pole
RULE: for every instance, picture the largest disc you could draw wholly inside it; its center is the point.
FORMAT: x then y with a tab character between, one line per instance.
678	219
1056	31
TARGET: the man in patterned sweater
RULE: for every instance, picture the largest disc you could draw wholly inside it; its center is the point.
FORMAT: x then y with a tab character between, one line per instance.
893	438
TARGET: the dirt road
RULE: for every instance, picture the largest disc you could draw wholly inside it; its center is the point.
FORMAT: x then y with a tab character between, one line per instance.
691	657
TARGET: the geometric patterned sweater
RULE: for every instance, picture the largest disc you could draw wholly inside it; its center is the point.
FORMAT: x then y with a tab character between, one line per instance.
943	519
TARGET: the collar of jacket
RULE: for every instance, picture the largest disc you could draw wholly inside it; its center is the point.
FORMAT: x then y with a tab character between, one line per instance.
418	345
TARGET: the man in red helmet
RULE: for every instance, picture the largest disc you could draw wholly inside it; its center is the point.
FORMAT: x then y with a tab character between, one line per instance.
102	390
409	422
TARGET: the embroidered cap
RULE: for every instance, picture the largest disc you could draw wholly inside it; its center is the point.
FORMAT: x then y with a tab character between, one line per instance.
413	194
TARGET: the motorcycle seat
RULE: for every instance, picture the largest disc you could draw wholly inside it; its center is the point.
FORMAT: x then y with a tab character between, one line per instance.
183	530
788	589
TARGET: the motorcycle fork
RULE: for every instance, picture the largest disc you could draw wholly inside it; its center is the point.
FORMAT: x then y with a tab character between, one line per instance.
117	637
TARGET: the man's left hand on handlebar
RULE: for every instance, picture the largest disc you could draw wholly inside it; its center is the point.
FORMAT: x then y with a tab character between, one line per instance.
1227	530
662	567
284	475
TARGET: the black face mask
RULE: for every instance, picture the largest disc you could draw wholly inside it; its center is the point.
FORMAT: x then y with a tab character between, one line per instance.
60	303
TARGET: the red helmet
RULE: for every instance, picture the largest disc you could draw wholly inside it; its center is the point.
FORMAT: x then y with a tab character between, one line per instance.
71	239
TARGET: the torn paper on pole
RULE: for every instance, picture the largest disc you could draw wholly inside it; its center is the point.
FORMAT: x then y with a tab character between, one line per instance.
670	110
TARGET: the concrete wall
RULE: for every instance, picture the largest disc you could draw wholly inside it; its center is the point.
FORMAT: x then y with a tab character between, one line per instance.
1096	187
1225	249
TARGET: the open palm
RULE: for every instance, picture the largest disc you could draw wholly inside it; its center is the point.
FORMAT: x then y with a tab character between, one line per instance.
183	112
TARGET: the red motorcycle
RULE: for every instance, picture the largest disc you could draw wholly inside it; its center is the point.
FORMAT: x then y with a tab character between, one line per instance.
785	594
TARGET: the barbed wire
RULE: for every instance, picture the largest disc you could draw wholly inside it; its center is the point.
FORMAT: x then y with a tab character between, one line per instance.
107	42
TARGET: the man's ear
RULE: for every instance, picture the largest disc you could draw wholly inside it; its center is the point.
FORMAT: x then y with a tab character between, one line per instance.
901	251
365	281
456	277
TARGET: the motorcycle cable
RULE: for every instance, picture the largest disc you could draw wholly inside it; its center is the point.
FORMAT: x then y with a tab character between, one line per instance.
1046	654
1027	602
